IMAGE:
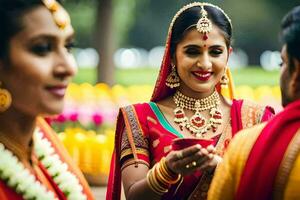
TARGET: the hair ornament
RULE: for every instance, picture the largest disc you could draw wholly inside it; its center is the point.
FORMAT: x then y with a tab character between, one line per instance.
60	16
201	4
204	25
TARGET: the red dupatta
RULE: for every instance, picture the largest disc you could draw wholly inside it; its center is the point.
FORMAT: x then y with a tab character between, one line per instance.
162	91
259	174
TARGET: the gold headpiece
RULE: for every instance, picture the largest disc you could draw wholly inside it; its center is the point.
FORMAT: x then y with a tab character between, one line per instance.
203	23
60	16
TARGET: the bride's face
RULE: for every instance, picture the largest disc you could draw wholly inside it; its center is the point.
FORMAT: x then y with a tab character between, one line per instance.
201	63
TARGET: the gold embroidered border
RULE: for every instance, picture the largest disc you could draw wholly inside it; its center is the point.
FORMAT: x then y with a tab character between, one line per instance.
134	131
127	152
251	114
286	166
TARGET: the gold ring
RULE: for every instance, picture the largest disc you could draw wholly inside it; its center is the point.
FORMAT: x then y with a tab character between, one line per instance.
179	155
194	163
187	166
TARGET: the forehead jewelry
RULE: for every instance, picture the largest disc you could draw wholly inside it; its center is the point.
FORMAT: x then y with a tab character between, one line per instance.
204	25
60	16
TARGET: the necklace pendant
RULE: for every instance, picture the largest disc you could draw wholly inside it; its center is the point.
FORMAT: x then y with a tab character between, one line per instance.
179	115
198	121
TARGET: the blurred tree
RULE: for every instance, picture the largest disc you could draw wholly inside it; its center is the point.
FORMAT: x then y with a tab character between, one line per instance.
108	22
144	23
104	41
256	23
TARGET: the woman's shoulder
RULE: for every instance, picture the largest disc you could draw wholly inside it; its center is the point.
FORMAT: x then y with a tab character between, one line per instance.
252	105
255	112
138	106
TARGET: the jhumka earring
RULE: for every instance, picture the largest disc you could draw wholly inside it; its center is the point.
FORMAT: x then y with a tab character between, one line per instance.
204	25
173	80
224	80
5	99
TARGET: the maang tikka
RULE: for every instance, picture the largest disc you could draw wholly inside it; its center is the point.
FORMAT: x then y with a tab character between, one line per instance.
204	25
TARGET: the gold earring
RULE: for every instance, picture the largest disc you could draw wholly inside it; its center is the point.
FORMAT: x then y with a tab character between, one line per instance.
173	80
5	99
224	80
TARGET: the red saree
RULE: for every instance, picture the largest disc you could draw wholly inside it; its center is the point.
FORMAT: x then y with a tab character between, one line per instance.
6	193
153	136
258	180
149	138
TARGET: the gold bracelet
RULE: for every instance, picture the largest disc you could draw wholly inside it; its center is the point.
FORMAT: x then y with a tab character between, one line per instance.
154	185
150	184
167	173
160	176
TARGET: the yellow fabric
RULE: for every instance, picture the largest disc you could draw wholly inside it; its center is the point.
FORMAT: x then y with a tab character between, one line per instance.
228	173
228	91
292	189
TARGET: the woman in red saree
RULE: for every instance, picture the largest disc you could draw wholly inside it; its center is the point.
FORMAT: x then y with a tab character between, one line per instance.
36	66
187	102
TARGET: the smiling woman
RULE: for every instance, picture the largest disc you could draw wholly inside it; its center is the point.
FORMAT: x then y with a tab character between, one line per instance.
186	103
36	67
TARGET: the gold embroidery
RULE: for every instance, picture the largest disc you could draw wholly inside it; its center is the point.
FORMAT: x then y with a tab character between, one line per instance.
151	120
251	114
167	149
127	152
286	166
155	143
133	136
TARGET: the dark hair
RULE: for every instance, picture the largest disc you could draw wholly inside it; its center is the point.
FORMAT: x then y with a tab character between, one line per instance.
290	35
11	13
191	16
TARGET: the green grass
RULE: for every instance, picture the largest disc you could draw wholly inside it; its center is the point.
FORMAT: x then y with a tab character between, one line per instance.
252	76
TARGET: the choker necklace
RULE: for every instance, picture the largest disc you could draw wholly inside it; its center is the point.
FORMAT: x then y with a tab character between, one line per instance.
197	124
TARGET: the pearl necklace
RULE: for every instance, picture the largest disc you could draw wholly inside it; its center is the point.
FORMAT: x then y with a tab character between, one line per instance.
197	124
18	177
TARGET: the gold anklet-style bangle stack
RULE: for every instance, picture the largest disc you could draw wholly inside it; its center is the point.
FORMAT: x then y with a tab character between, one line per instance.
160	178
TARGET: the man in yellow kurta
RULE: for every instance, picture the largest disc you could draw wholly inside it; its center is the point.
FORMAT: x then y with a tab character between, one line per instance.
264	162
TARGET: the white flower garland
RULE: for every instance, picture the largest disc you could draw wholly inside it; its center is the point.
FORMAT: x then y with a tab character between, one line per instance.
13	172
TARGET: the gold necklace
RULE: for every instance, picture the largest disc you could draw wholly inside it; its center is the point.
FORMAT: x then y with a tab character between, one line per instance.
197	124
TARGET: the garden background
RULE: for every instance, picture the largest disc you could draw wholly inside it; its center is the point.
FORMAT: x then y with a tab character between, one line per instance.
119	44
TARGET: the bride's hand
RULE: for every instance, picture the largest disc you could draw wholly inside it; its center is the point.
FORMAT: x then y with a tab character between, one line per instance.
184	161
212	161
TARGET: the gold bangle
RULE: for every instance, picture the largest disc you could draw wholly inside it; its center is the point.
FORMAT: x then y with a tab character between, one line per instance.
167	173
164	170
150	184
160	176
154	185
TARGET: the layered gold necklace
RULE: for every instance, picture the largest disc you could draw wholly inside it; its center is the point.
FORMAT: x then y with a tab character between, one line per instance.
197	124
